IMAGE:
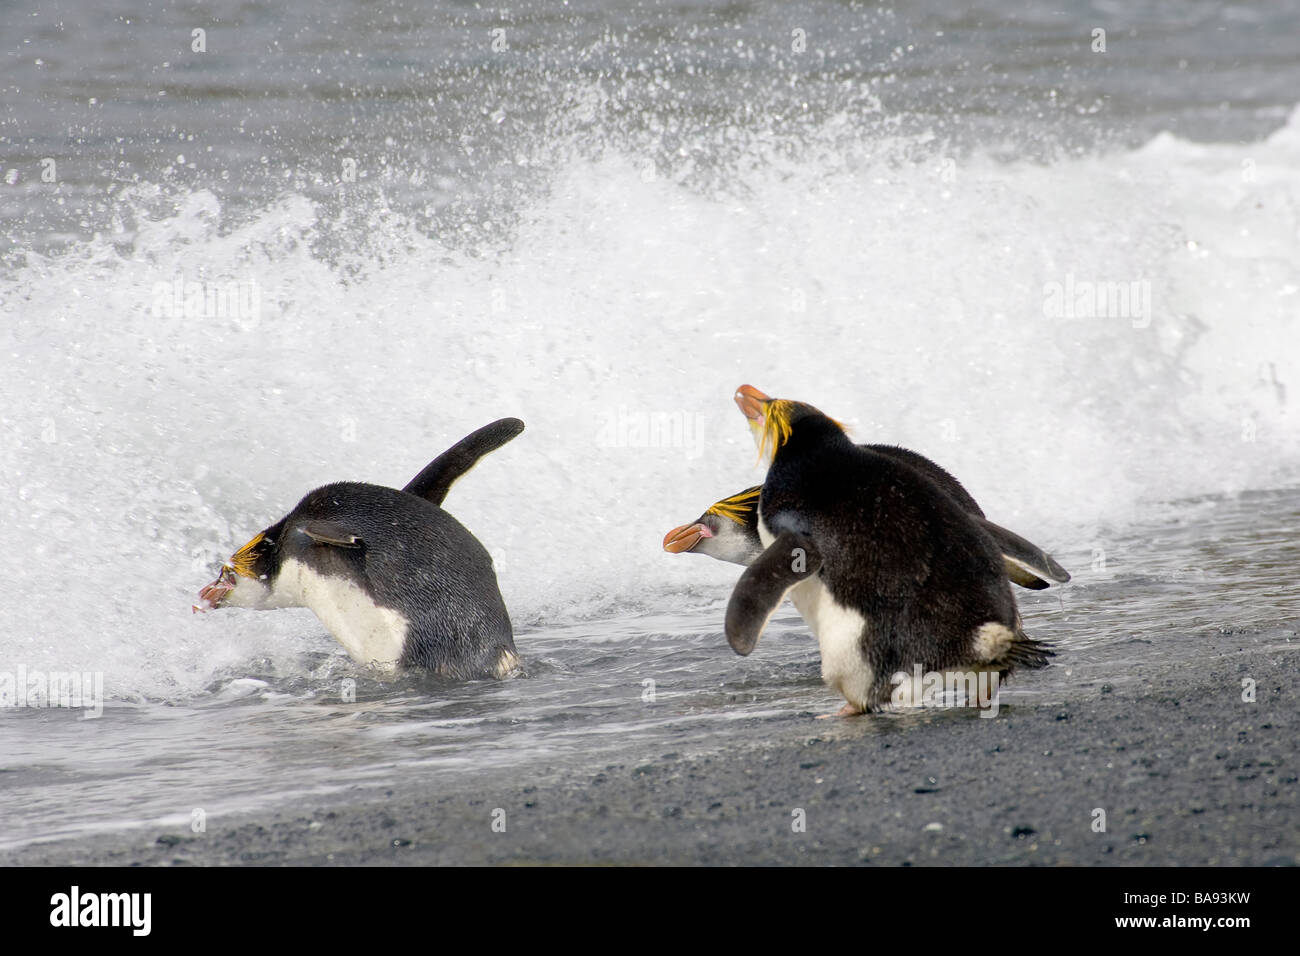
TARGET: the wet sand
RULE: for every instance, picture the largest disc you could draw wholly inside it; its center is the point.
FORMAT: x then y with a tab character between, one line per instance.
1185	770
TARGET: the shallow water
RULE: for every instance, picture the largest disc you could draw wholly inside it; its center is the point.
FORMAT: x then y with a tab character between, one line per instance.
622	689
603	229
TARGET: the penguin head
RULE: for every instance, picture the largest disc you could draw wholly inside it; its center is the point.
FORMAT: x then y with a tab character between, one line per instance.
728	530
248	579
772	420
323	533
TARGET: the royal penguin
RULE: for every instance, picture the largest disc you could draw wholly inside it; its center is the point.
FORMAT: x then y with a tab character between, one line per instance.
398	581
891	574
728	529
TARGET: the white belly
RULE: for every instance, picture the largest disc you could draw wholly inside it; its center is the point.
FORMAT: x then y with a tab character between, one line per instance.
371	635
838	630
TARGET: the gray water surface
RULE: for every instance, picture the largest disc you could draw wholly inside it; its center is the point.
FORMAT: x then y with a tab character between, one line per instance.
254	740
450	120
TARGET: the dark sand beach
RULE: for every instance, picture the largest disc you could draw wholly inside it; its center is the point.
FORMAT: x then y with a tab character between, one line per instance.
1187	773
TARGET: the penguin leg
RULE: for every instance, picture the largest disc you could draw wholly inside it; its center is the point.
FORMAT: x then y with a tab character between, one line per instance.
789	559
1027	564
848	710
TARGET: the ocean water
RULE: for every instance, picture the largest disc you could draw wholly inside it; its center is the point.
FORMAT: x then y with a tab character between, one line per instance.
332	243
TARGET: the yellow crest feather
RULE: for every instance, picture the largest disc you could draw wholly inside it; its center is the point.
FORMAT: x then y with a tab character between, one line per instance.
774	430
242	560
737	506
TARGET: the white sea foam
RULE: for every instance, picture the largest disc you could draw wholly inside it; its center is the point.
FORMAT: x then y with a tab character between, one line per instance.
144	444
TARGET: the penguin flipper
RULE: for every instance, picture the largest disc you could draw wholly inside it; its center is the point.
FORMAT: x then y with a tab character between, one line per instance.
436	478
331	533
1017	573
1027	564
788	560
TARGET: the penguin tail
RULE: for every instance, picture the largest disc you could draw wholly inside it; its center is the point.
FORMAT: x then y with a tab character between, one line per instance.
1026	652
1007	647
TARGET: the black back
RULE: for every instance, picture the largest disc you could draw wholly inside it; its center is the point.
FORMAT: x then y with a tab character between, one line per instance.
894	546
411	556
949	485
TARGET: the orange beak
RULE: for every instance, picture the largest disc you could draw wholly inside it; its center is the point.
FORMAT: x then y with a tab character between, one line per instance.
212	595
751	401
685	538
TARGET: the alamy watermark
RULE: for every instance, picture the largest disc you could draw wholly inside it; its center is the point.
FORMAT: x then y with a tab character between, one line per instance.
129	910
626	428
947	689
1086	299
71	689
232	299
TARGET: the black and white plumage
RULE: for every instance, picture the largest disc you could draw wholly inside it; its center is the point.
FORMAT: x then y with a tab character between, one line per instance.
398	581
888	571
728	529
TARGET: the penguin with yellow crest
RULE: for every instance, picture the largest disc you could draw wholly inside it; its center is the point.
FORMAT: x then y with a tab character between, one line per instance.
398	581
728	529
888	570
